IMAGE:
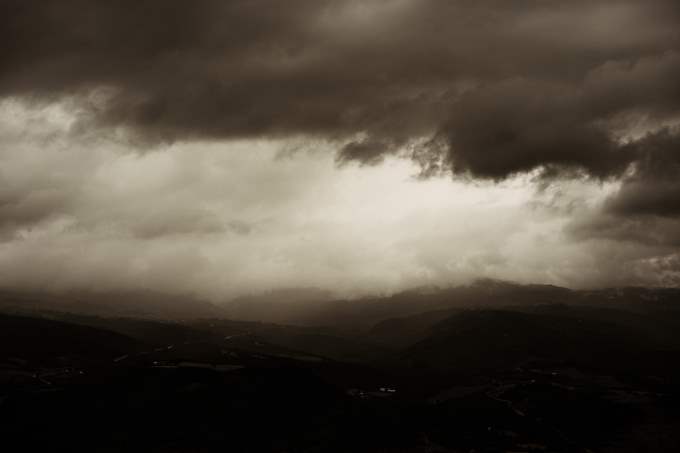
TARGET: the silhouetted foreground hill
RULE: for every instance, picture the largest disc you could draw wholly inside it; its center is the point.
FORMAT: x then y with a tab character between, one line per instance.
480	368
44	339
493	339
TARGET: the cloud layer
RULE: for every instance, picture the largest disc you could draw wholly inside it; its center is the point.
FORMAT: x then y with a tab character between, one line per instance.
507	87
146	130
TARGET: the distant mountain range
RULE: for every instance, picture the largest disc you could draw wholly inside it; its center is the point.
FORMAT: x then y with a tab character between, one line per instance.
317	307
312	307
134	304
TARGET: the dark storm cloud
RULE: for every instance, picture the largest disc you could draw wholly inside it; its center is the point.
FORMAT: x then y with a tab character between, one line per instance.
646	207
522	124
653	188
519	125
366	151
507	87
648	231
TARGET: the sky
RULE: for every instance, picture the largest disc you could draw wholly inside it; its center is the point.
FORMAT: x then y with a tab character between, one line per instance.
229	147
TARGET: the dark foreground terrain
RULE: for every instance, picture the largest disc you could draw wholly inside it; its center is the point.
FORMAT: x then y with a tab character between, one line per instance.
492	368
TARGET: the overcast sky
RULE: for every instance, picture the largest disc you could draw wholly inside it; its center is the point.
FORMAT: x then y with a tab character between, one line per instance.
225	147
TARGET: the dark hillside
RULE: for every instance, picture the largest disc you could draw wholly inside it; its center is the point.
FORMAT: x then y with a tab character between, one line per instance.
37	339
